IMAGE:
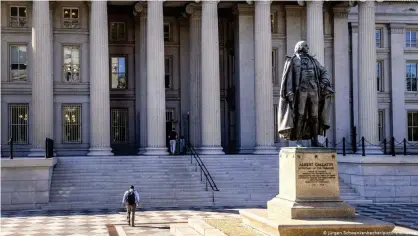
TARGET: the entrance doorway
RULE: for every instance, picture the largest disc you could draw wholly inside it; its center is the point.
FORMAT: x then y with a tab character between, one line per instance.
168	128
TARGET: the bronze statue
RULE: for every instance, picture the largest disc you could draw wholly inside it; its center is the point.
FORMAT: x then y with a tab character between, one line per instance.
305	97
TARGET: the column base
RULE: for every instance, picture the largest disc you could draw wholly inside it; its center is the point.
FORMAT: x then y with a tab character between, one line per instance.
141	151
155	151
100	152
36	152
211	151
265	150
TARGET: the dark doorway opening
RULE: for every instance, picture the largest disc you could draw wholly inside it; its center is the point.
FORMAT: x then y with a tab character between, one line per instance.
168	128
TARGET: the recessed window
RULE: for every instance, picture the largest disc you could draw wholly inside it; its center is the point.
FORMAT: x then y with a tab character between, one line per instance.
18	123
71	67
117	31
411	39
276	123
167	32
71	124
381	124
411	76
18	17
18	62
274	65
413	126
378	37
119	125
379	75
273	22
71	17
168	64
118	72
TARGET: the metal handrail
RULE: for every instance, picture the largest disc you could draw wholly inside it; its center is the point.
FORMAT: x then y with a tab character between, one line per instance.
203	169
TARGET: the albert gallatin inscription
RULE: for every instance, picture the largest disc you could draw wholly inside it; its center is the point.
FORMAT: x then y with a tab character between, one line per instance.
316	174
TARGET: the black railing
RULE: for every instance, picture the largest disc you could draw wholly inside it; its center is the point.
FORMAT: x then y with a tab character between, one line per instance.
386	146
203	170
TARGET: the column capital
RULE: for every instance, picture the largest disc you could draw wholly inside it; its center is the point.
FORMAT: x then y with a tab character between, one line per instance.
341	12
315	3
194	9
366	4
243	10
301	3
210	2
140	9
397	28
259	2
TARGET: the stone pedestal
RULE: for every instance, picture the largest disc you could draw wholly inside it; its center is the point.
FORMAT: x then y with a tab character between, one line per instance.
309	202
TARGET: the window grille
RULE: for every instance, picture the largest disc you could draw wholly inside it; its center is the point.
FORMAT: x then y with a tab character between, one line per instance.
119	129
411	76
18	17
71	18
274	65
276	123
18	62
167	32
411	39
18	123
117	31
71	63
168	64
379	76
378	37
381	124
71	124
412	126
118	74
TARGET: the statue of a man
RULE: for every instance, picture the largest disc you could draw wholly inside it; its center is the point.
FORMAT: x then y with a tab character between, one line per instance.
305	97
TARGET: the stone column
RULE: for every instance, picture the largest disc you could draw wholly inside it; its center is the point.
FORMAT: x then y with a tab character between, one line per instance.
141	73
397	65
315	29
368	116
99	81
211	98
341	74
244	60
195	30
155	81
263	82
42	80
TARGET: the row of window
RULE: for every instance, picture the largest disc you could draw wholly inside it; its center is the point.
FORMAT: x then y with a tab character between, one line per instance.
71	20
71	66
71	124
410	38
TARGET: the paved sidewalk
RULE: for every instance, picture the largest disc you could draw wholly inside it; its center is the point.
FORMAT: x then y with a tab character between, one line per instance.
155	222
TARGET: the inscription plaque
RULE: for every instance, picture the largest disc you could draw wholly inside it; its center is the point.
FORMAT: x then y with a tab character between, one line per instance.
317	176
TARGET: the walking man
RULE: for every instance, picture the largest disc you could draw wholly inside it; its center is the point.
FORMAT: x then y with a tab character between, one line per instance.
131	200
173	137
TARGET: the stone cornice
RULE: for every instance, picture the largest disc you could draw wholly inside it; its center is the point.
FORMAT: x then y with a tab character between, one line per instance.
397	28
243	10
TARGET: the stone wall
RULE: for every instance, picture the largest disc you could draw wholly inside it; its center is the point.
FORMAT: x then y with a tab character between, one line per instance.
383	179
25	182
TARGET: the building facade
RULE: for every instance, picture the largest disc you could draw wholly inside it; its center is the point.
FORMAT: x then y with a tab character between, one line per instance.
104	78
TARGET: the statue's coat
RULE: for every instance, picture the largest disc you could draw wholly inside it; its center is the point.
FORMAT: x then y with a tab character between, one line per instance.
289	85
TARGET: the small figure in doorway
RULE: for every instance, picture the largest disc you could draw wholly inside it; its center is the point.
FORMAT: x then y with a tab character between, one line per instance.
182	141
131	201
173	138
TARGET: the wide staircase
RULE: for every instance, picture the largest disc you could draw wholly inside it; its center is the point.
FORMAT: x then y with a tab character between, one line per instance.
170	181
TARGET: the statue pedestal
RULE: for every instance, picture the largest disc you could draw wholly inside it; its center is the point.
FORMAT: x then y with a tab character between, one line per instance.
309	202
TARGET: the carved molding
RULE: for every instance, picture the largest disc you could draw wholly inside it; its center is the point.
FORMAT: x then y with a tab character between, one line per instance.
194	9
293	11
397	28
341	12
243	10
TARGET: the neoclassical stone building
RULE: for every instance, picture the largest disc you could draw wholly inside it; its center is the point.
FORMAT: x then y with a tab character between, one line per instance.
101	77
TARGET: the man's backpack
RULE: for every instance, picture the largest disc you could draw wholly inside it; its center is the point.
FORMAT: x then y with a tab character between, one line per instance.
131	198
